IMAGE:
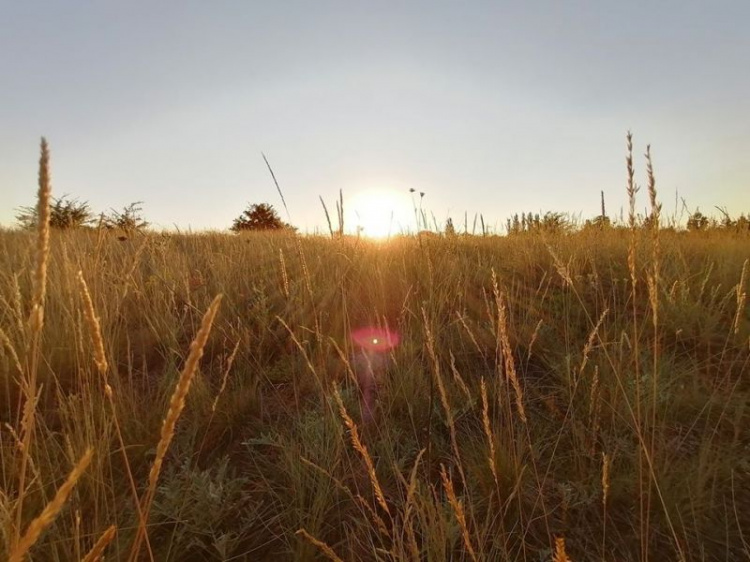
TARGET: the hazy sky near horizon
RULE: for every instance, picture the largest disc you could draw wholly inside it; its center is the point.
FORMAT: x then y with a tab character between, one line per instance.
487	107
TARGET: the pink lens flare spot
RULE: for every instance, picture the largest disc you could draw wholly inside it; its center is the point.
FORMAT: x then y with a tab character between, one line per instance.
375	339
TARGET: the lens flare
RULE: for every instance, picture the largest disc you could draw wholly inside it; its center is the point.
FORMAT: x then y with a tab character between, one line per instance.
372	338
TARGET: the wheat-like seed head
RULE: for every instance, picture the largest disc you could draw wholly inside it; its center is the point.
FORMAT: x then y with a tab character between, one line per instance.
177	402
436	369
284	276
595	407
5	341
488	432
225	376
324	548
590	342
510	365
458	378
42	225
469	332
534	337
17	304
95	554
92	320
654	280
606	461
632	190
411	490
51	510
362	450
560	555
176	405
458	511
443	394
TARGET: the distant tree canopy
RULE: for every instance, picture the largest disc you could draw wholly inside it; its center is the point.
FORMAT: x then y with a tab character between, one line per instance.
65	213
129	219
698	221
259	216
528	222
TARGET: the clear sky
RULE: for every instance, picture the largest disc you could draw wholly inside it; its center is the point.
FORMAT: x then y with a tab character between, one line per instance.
487	107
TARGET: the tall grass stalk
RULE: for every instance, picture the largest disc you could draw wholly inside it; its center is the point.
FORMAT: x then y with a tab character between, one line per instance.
51	510
176	405
36	323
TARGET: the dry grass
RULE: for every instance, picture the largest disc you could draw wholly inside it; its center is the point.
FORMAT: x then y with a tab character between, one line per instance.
100	545
50	511
577	406
176	405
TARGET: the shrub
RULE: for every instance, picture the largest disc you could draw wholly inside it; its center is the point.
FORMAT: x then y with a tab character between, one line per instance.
549	223
64	213
129	219
259	216
698	221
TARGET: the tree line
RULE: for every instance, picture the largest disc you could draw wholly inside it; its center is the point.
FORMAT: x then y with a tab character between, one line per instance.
70	213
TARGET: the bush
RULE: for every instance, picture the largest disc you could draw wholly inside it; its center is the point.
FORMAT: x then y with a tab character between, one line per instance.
549	223
259	216
698	221
64	213
129	219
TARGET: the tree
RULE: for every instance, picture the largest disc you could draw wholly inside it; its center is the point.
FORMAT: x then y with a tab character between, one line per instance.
259	216
549	223
129	219
450	230
64	213
600	222
697	222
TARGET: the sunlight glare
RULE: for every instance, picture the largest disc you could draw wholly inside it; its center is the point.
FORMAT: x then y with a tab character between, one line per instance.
380	213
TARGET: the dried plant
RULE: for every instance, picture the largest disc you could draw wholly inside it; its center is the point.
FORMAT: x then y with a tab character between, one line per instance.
176	405
51	510
95	554
324	548
362	450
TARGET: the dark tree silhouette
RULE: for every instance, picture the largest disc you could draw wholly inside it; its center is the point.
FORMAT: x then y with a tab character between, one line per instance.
64	213
129	219
259	216
698	221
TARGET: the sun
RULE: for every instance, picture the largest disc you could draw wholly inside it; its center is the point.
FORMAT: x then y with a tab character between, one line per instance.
379	212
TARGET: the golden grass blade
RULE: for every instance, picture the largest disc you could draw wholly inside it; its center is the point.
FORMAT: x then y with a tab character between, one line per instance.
42	225
590	342
410	493
488	433
51	510
176	405
100	357
95	554
362	450
225	376
458	510
324	548
560	555
510	364
458	378
36	322
5	342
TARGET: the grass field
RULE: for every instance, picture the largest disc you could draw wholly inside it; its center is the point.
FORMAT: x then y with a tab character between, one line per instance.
573	396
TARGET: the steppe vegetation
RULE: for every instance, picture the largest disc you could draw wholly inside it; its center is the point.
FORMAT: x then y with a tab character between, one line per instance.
555	395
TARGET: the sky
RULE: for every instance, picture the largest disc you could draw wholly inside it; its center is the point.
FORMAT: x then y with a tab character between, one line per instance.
486	107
